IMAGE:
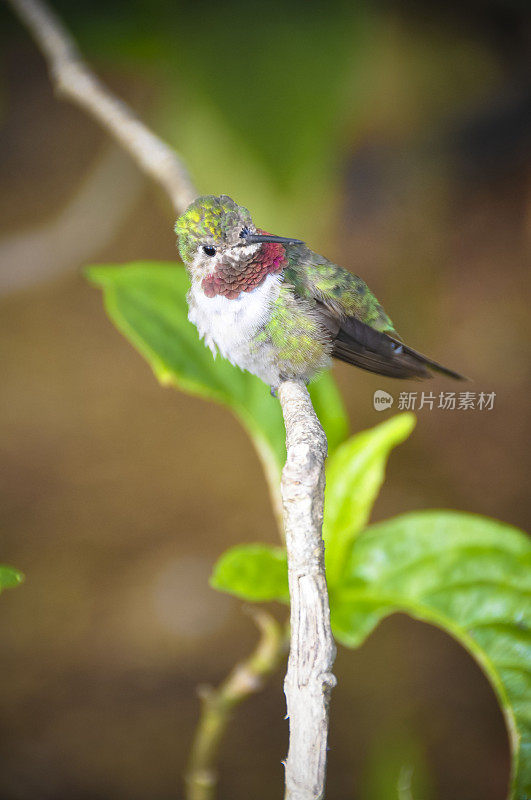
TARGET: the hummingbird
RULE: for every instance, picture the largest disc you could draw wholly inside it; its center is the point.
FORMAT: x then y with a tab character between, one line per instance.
272	306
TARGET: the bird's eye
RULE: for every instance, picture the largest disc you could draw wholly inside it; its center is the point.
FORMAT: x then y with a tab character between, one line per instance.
244	232
210	251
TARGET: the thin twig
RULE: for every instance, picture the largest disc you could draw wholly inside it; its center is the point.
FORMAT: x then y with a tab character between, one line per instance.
309	679
74	79
218	704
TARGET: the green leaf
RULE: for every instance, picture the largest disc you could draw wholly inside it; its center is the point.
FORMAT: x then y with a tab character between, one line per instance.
354	475
256	572
147	303
9	577
467	574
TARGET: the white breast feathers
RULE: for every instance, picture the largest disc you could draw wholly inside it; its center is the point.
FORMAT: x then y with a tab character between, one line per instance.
229	325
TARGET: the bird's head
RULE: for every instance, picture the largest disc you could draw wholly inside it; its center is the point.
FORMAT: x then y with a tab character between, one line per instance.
217	235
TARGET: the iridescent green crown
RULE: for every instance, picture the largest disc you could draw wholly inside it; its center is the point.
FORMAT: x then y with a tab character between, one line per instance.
210	220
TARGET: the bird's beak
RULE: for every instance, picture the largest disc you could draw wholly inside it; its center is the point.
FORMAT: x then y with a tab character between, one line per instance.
257	238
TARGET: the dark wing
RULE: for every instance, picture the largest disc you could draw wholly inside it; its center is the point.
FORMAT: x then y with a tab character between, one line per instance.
359	344
362	333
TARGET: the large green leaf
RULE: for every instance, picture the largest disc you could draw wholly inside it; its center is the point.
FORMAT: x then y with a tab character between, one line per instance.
9	577
255	572
354	475
147	303
467	574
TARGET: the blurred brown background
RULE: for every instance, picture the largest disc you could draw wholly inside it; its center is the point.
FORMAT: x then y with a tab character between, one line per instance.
394	138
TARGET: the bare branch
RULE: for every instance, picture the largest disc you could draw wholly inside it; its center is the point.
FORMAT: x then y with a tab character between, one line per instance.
218	704
309	679
73	79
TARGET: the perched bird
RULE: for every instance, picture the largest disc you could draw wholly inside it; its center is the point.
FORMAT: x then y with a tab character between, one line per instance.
273	307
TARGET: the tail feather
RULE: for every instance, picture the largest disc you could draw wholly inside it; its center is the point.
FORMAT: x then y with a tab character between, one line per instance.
432	365
358	344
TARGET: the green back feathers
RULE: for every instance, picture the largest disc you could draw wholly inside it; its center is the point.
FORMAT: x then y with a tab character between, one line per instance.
313	276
